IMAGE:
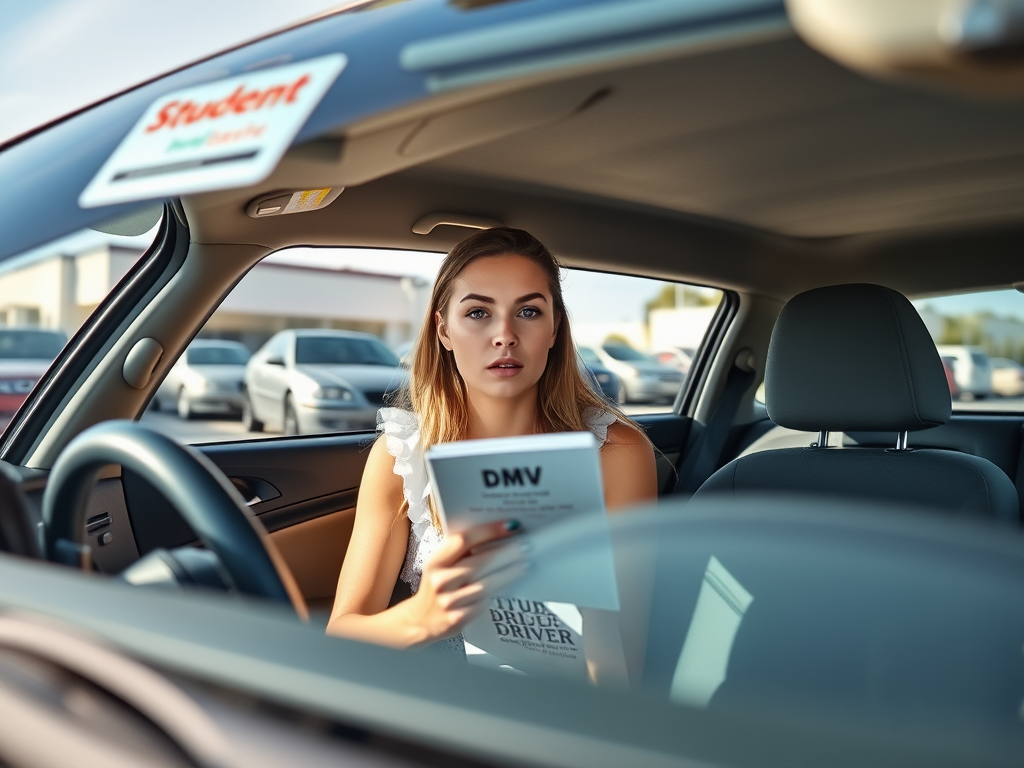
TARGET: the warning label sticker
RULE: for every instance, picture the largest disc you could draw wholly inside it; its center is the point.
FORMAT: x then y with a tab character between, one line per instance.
224	134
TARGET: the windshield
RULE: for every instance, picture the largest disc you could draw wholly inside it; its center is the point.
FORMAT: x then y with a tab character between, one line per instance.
589	356
30	344
752	603
626	354
217	356
326	350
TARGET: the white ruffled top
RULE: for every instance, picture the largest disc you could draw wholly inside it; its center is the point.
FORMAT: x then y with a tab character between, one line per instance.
402	435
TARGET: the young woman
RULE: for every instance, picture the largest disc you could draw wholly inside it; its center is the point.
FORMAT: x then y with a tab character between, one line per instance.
494	359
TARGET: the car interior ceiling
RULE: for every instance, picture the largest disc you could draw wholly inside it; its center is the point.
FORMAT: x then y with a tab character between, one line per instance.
767	171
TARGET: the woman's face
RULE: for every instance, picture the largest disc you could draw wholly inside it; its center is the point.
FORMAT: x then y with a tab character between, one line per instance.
500	324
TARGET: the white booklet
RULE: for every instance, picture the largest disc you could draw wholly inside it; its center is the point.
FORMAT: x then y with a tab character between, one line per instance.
538	480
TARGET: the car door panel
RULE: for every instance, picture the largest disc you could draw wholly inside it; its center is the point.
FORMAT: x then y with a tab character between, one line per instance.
313	477
314	551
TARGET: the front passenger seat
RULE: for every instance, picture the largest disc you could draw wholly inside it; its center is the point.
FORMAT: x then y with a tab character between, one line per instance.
858	358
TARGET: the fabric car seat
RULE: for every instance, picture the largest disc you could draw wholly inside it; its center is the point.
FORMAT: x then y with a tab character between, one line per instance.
850	358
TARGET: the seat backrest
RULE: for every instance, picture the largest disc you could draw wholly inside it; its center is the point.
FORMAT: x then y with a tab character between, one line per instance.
859	358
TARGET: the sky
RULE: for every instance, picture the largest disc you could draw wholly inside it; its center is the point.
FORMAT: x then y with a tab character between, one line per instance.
59	55
1001	303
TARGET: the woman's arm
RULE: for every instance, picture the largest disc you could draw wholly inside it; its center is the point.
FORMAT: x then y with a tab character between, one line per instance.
630	477
454	586
628	468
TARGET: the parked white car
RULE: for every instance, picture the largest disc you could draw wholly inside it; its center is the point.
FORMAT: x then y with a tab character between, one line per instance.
972	369
1007	377
206	379
306	381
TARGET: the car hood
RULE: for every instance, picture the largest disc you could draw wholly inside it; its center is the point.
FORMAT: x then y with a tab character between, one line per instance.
219	373
23	368
362	377
642	366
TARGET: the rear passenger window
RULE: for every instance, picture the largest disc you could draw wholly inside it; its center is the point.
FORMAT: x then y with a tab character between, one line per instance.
316	340
980	338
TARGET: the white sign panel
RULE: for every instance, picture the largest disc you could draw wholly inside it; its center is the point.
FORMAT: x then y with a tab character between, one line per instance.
229	133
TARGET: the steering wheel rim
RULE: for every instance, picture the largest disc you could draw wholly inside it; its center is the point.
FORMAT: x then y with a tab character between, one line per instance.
193	485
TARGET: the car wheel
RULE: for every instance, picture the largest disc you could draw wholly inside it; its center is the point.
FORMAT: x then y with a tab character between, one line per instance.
291	418
184	405
249	422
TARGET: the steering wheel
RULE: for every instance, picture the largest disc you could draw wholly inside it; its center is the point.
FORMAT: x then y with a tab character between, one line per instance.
193	485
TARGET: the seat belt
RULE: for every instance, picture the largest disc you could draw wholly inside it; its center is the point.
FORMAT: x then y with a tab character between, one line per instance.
703	459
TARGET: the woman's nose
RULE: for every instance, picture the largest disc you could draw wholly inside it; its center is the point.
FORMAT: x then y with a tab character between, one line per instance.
505	335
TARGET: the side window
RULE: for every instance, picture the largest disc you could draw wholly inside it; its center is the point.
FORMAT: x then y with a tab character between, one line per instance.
638	336
980	338
314	341
46	294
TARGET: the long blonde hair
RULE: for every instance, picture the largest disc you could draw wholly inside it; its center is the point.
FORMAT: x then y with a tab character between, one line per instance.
437	392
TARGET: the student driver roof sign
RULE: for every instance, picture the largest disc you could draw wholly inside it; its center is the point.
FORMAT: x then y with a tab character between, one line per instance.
229	133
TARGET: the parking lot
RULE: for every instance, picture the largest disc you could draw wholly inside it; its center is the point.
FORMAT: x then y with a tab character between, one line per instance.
211	430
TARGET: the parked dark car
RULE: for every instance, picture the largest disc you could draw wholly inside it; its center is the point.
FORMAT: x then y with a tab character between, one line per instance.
25	354
607	381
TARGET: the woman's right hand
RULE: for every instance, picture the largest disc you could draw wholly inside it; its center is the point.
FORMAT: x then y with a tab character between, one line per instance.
457	581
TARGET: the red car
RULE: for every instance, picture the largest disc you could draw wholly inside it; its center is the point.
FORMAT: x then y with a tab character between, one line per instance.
947	365
25	354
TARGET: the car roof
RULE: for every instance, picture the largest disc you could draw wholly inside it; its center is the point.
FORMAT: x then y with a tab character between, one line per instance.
216	343
753	163
331	333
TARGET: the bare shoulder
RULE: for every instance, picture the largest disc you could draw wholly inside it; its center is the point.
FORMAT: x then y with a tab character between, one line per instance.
379	478
628	467
623	436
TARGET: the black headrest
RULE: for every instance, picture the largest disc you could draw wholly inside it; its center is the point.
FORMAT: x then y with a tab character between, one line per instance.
854	357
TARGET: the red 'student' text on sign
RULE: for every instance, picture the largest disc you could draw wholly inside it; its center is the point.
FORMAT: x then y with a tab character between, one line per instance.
241	100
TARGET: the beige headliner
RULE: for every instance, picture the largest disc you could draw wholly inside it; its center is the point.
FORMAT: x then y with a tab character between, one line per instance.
762	167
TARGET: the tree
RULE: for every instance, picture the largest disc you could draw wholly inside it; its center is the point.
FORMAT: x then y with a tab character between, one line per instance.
674	295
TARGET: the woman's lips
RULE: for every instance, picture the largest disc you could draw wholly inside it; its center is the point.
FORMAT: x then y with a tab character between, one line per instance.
505	368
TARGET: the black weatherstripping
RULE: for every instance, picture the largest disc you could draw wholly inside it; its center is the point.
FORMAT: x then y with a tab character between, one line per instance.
686	402
95	336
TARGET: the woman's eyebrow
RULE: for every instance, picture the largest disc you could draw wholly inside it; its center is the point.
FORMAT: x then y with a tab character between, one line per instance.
531	297
489	300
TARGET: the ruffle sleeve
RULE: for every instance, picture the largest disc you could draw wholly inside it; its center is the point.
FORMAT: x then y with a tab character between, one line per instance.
598	420
401	432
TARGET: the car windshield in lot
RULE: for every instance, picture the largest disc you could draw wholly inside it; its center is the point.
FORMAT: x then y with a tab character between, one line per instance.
217	355
324	350
627	354
696	165
30	344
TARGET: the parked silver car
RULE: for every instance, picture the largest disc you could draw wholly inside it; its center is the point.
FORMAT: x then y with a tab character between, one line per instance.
319	380
206	379
644	379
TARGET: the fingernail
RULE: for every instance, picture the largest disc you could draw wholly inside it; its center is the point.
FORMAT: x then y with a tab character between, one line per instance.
512	525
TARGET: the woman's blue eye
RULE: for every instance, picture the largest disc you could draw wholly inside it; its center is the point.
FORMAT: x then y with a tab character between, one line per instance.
529	312
477	314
